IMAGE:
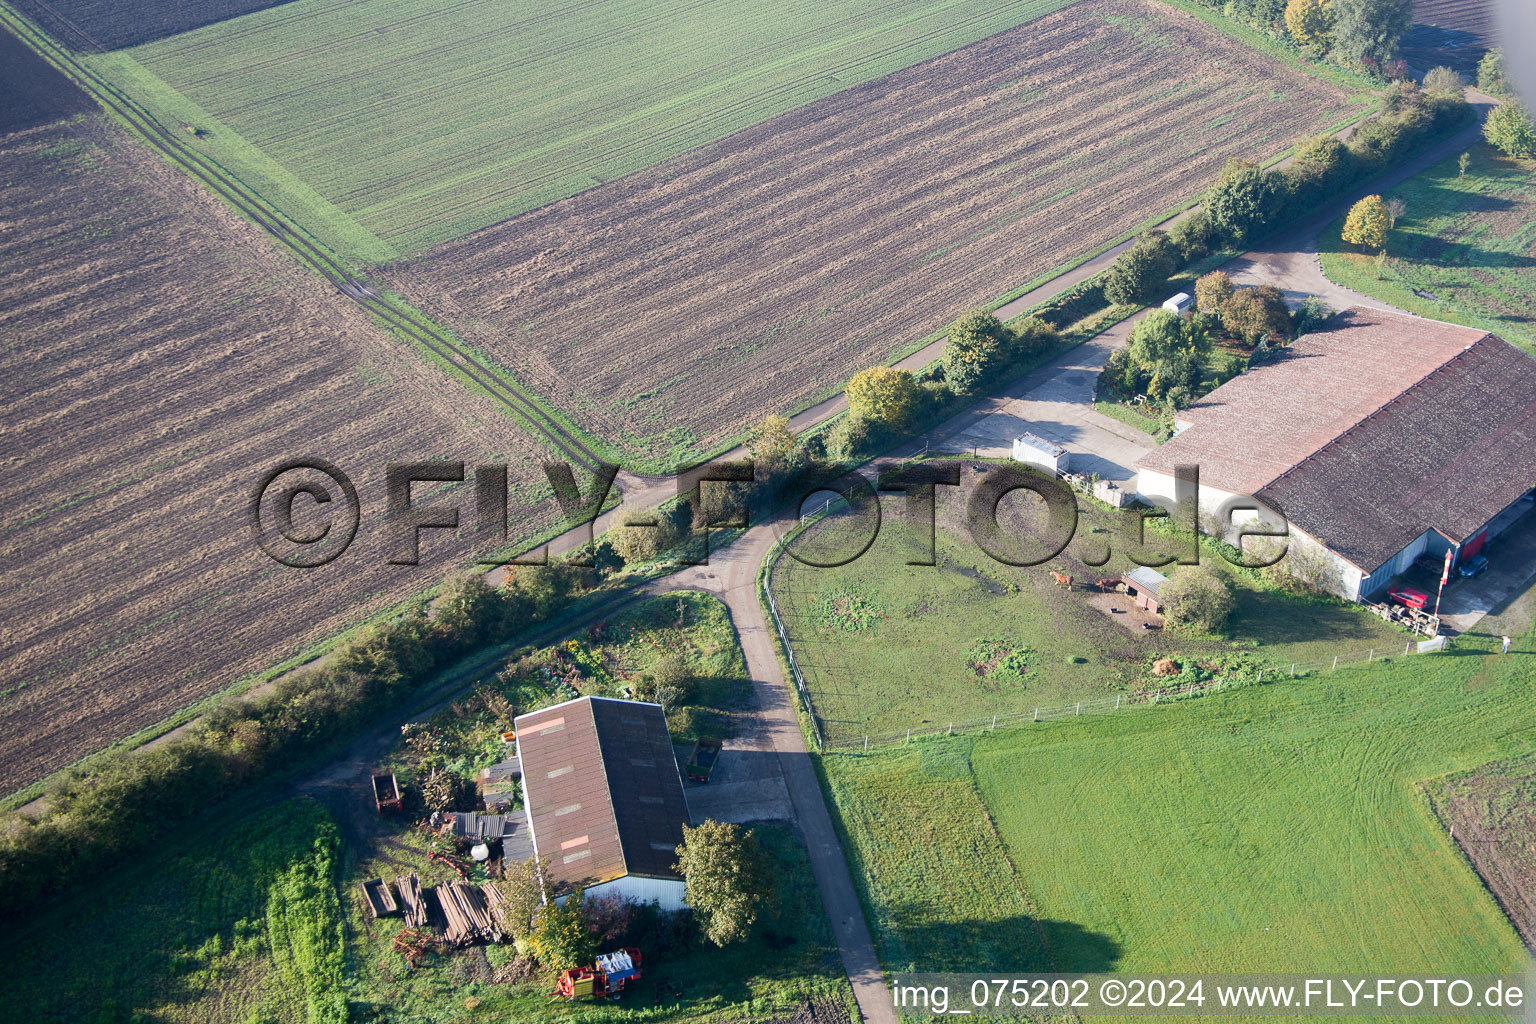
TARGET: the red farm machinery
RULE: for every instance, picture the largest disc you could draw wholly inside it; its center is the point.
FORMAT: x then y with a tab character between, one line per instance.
606	978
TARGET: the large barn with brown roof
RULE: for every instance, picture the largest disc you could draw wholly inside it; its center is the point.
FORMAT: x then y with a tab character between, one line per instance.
1379	439
604	798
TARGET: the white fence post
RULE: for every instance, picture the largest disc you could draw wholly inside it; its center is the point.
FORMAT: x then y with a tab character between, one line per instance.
909	737
1335	661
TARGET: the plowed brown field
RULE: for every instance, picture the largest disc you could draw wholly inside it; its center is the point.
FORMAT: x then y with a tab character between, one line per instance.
158	357
673	307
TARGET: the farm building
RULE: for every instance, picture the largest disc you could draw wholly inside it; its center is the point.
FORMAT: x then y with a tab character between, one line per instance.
604	798
1144	586
1382	438
1033	450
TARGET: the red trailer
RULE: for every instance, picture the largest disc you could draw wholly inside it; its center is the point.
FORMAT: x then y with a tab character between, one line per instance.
386	792
606	978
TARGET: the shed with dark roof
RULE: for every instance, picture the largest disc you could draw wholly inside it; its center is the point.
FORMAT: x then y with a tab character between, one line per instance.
604	797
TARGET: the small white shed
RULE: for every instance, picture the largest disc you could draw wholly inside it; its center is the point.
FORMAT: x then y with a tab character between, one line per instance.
1033	450
1181	303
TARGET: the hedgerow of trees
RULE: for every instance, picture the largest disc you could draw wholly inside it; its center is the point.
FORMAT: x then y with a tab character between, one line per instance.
100	813
1247	202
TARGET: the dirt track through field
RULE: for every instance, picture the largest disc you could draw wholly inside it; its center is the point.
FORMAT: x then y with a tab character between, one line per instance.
160	355
682	303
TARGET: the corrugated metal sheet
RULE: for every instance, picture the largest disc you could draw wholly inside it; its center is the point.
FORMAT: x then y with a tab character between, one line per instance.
1144	578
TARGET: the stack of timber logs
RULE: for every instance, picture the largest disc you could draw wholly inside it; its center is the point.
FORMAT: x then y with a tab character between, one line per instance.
460	911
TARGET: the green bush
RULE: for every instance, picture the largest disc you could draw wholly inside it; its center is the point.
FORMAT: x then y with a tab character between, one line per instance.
1198	598
1142	271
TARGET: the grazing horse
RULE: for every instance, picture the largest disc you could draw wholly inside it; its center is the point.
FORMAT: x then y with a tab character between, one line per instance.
1062	579
1109	586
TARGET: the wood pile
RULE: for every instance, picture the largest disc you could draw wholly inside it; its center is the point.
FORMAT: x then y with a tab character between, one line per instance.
496	903
460	911
468	918
412	900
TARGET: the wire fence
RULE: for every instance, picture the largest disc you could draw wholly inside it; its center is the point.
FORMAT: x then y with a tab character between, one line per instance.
1121	701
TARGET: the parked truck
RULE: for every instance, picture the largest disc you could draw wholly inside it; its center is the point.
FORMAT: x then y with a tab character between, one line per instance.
702	761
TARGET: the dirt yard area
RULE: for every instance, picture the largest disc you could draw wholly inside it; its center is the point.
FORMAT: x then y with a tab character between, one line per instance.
1492	813
159	357
670	309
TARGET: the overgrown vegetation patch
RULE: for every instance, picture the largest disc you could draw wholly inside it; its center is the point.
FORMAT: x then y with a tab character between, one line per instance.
998	662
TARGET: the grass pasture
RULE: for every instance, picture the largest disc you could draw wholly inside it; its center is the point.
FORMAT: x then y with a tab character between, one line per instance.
887	646
493	109
1464	251
669	310
1274	828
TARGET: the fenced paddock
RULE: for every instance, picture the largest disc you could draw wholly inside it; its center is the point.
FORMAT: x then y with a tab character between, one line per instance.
813	674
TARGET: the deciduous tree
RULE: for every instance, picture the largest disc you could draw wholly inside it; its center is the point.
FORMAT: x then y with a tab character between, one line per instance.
774	446
1309	22
1443	81
1142	271
562	936
640	536
882	394
1243	202
1509	129
1366	32
972	350
1198	598
1257	314
1368	224
1212	292
725	879
522	892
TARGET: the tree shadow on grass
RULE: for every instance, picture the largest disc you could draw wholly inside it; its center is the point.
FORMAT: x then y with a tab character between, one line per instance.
1271	618
1020	944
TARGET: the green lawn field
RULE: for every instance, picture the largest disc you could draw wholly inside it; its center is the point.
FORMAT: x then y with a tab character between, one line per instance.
887	646
1275	828
390	125
1464	250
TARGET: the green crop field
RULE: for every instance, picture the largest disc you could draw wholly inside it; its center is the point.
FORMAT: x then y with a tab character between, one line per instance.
1463	251
887	646
385	126
1274	828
